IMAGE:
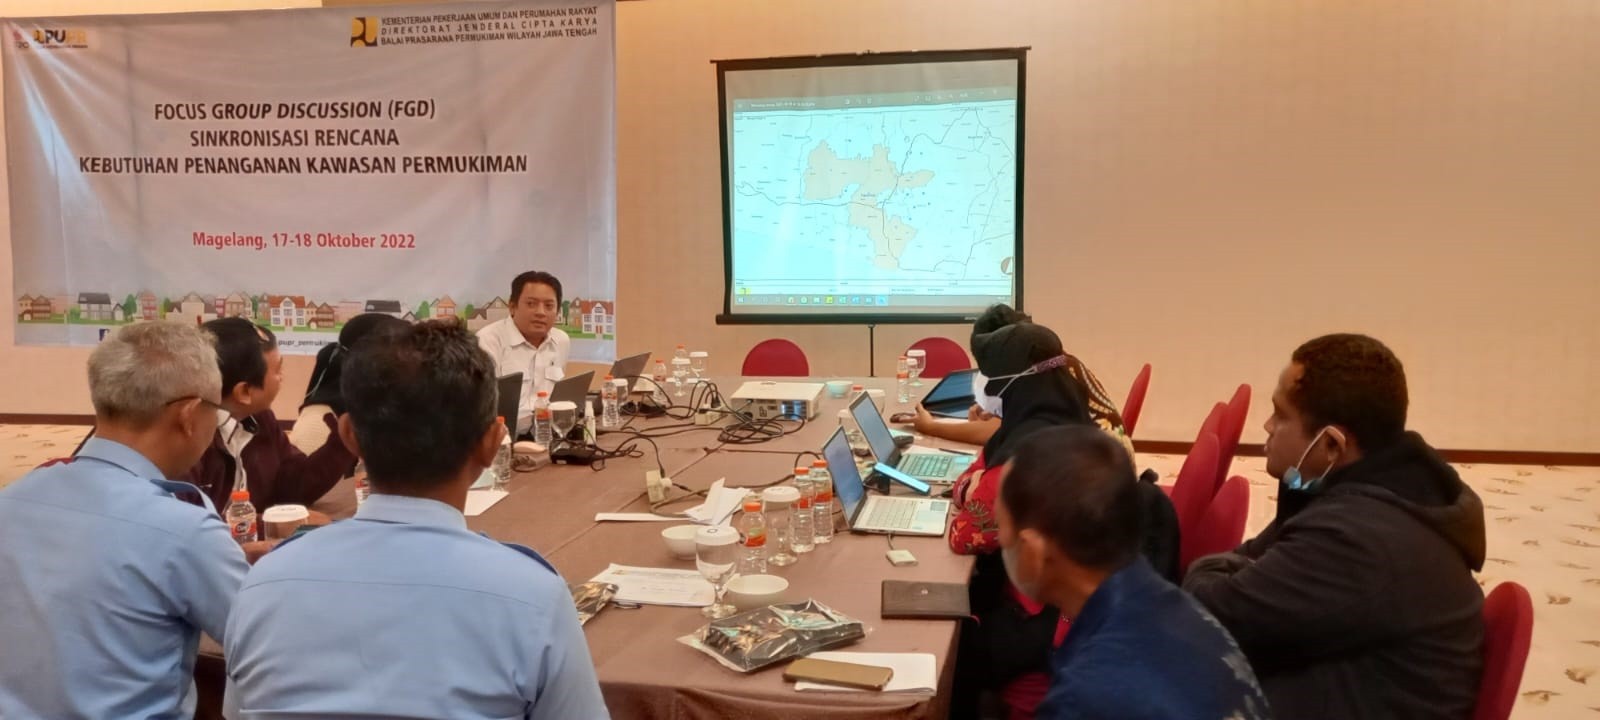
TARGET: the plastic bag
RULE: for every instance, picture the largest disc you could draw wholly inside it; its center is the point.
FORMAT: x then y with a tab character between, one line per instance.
755	639
591	598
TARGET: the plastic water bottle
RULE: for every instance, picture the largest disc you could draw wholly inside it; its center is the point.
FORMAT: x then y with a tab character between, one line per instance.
682	353
753	534
902	387
241	517
658	392
362	488
802	522
541	418
502	459
822	505
776	504
610	412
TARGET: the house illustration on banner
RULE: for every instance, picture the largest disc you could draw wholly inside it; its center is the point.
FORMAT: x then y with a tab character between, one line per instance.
386	307
193	309
596	317
149	306
287	311
496	309
409	317
323	317
95	307
444	307
346	309
235	305
32	308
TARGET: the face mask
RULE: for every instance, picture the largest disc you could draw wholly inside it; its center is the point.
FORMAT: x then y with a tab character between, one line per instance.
991	403
1008	557
1293	480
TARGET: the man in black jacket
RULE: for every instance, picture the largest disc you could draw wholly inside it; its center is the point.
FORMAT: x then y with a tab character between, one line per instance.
1358	600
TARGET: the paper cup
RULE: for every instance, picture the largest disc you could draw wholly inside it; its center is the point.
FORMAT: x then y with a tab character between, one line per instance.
281	521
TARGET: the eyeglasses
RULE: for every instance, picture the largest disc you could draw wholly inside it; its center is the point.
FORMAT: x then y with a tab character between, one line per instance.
203	401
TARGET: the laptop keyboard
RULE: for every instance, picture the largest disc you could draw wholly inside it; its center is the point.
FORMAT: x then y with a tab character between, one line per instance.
891	515
926	465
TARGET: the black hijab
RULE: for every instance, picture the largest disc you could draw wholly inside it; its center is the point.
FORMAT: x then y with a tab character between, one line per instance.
325	377
1031	402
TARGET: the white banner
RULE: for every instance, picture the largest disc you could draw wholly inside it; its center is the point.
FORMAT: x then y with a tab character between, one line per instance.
300	167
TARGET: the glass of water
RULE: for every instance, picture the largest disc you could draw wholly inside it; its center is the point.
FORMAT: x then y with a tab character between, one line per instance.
716	556
563	417
697	363
915	359
680	371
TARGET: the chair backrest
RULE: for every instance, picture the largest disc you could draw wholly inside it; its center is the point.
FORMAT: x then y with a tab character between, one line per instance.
1238	409
1221	527
776	357
1507	632
944	356
1135	403
1191	493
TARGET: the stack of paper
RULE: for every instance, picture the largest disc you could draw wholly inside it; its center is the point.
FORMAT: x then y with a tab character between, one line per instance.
913	672
720	504
481	500
658	586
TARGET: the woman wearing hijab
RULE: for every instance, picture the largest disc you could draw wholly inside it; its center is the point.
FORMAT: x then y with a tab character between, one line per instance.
323	397
1027	384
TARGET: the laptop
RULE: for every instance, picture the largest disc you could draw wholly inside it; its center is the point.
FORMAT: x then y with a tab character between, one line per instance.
572	389
630	368
510	405
939	468
878	514
952	397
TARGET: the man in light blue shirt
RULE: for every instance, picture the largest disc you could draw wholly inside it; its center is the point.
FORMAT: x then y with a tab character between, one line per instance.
106	578
403	611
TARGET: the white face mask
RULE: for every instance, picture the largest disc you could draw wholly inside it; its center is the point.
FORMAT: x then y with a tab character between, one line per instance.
991	403
1008	557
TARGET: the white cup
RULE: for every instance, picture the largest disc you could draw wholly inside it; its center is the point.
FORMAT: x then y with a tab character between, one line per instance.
281	521
680	540
748	592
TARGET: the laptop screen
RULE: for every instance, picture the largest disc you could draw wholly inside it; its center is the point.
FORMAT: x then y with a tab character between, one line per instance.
873	427
509	407
953	387
842	468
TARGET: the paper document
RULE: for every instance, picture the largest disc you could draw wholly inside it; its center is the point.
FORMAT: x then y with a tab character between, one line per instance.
481	500
636	517
658	586
719	506
913	672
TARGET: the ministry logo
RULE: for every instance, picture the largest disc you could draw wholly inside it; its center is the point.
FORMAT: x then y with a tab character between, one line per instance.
364	31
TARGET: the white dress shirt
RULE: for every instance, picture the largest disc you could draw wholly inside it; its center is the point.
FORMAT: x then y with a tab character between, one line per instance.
540	366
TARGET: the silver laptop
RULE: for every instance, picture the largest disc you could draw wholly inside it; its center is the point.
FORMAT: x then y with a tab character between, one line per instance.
879	514
938	468
630	368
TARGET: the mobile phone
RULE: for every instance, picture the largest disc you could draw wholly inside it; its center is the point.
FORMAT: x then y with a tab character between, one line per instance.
866	677
904	479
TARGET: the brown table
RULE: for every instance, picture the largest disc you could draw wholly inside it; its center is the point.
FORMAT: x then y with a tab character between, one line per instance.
644	672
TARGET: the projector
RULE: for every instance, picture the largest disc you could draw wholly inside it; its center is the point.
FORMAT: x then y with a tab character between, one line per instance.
765	400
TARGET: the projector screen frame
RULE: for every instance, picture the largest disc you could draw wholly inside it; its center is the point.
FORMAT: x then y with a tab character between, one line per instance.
727	316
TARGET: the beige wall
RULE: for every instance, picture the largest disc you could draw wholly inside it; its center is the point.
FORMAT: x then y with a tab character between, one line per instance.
1209	182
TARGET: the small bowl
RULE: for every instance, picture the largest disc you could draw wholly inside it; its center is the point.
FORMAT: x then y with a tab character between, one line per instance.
680	540
837	388
748	592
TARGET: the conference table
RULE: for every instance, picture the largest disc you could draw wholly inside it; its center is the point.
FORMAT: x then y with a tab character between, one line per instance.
644	671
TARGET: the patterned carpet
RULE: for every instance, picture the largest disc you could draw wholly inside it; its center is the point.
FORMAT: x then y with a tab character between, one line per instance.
1544	532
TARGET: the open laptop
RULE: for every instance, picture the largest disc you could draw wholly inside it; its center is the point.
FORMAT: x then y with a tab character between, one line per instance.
878	513
572	389
939	468
630	368
952	397
510	405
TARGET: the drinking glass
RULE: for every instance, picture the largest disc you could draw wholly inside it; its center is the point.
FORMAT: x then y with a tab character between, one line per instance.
716	556
914	362
680	371
697	363
563	417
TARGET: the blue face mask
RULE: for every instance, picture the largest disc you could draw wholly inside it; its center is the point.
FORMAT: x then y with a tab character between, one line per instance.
1294	480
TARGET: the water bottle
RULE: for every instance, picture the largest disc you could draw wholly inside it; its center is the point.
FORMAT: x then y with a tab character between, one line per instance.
658	392
753	535
775	504
822	505
362	488
541	418
241	517
902	388
681	353
804	536
902	366
502	459
610	412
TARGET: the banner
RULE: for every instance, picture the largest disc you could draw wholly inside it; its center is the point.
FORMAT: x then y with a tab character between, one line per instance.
300	167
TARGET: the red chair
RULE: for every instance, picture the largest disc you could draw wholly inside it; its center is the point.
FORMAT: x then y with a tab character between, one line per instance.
1191	493
1221	528
1231	430
1135	403
1507	632
776	358
945	356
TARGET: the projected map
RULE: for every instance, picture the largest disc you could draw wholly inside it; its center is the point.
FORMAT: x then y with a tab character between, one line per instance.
915	197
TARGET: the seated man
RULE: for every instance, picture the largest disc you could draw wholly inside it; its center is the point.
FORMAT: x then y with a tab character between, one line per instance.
529	342
106	579
1358	600
1070	517
436	621
251	449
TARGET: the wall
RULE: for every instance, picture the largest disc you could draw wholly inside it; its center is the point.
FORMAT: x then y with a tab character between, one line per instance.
1209	183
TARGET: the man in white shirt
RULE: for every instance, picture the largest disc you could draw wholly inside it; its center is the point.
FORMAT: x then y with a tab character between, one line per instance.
529	342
